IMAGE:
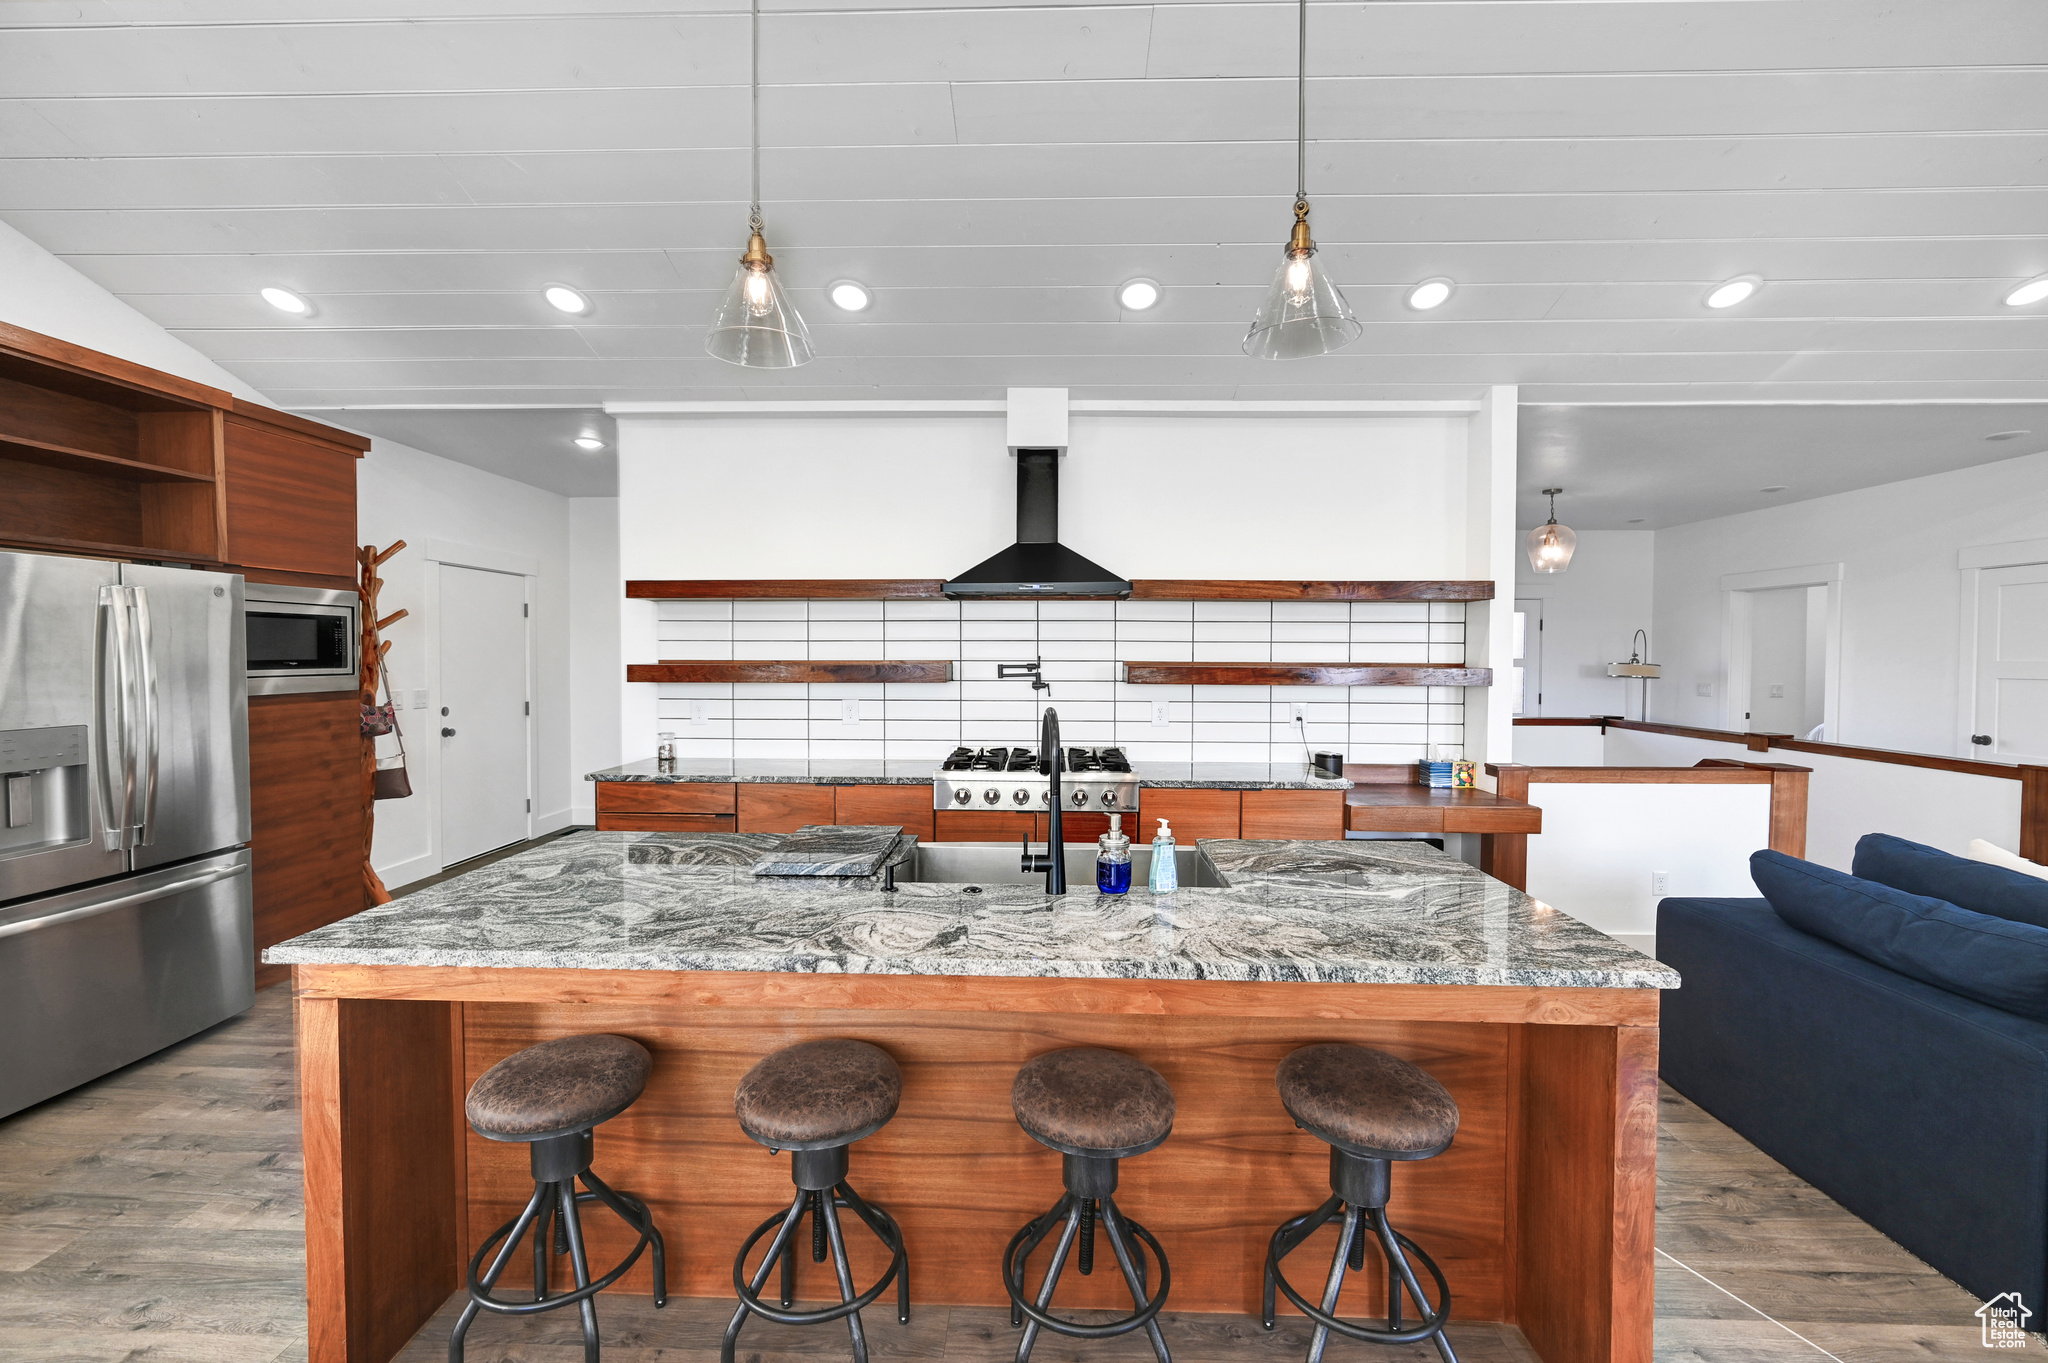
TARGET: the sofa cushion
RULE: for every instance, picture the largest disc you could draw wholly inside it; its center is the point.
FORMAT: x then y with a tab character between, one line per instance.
1980	850
1992	960
1974	885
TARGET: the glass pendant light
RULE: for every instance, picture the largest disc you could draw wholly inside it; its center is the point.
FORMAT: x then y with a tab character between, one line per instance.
757	325
1303	313
1551	544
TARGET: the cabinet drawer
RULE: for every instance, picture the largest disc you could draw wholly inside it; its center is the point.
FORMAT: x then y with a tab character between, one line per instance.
777	808
647	797
665	823
1294	814
909	806
1192	814
994	825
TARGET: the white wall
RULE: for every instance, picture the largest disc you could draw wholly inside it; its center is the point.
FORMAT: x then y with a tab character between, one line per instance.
1591	612
1273	495
1901	590
42	293
595	592
437	505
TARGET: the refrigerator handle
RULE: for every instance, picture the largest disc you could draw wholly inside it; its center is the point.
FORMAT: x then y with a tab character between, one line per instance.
166	891
111	658
145	748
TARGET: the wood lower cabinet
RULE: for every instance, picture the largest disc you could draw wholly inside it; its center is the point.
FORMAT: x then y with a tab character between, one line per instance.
663	807
305	796
784	809
909	806
1192	814
1316	814
986	825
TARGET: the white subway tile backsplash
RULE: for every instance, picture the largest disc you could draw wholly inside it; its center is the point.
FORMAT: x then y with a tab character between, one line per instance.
1082	646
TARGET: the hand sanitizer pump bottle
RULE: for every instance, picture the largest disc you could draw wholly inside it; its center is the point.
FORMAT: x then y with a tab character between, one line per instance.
1113	859
1165	872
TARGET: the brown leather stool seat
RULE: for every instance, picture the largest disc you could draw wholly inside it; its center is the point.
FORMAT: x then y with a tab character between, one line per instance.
819	1094
1093	1103
558	1088
1367	1103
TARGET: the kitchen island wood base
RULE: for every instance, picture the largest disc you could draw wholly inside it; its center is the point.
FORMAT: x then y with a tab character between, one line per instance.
1541	1212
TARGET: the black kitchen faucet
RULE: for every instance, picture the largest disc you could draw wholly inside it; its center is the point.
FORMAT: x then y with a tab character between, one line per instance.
1051	760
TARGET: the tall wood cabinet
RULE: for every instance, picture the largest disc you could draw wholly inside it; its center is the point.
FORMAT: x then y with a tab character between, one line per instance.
105	458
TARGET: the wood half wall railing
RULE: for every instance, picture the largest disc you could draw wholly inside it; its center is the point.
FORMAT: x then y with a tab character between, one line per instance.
2033	780
1788	799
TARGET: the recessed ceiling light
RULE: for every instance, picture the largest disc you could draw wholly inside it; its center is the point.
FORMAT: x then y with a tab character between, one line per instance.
850	296
1733	291
1136	295
589	442
284	300
1779	487
2033	291
1430	293
2007	435
565	299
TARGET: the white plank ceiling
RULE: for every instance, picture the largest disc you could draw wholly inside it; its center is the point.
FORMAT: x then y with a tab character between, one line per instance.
419	168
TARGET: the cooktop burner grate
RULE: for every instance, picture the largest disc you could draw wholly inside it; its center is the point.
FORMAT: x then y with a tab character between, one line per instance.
1079	760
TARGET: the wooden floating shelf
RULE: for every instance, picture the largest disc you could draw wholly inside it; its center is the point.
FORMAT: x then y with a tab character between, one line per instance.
1161	589
791	671
103	548
1304	674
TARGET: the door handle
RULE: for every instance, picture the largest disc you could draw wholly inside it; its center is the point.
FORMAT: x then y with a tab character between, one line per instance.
146	738
175	887
116	682
1981	740
447	733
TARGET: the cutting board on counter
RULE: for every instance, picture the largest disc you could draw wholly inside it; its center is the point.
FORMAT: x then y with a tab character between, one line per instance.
831	850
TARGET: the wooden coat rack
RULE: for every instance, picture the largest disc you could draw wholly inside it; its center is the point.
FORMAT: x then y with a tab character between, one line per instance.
369	558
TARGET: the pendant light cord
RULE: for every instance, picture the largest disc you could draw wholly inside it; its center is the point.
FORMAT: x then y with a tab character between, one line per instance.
1301	109
754	89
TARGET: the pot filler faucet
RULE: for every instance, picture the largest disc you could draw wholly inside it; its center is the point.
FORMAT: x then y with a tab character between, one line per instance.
1051	758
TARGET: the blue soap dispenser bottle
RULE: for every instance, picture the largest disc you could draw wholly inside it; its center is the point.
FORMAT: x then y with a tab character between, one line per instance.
1165	872
1113	859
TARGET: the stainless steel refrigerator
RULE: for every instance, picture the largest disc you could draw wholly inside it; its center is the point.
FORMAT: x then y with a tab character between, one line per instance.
125	910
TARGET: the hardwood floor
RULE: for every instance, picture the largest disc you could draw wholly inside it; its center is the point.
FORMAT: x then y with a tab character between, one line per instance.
154	1215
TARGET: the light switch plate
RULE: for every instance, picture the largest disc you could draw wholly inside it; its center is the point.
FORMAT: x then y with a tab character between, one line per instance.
1778	691
419	698
1704	689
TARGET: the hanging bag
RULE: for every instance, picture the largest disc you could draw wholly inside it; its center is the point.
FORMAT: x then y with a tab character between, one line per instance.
391	781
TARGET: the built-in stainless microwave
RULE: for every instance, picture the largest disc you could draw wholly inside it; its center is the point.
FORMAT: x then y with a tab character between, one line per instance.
301	638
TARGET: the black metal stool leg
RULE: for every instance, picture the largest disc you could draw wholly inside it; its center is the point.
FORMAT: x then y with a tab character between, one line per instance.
540	1247
469	1312
587	1308
1285	1241
1033	1236
787	1295
1113	1223
885	1228
1068	1233
634	1213
1335	1287
830	1215
784	1237
1400	1270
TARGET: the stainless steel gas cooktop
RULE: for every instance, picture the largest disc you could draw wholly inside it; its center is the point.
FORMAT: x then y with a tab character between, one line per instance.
1094	780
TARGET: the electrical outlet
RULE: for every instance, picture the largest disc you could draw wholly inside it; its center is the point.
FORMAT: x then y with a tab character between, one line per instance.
1160	714
700	714
1705	689
1660	884
1300	713
849	712
1778	691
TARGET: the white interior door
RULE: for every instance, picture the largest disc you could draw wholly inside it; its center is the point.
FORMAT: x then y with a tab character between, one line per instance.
1778	657
485	798
2012	664
1528	646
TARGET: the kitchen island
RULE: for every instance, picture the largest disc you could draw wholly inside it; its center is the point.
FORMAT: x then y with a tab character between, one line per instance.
1540	1213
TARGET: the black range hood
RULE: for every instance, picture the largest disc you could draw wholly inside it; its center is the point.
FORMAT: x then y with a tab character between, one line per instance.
1037	564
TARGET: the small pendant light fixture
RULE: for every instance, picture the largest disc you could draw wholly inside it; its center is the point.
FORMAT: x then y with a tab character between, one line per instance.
756	325
1551	544
1303	313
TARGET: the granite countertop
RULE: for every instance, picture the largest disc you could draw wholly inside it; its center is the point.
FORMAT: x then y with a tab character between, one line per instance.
793	771
1332	912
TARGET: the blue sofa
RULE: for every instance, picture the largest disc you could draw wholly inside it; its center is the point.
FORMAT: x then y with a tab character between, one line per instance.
1920	1110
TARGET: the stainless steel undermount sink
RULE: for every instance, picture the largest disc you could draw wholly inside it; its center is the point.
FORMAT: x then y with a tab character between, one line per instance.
996	863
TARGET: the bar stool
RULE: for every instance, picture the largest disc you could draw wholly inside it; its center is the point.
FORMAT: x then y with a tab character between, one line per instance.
550	1097
1372	1109
814	1100
1096	1108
